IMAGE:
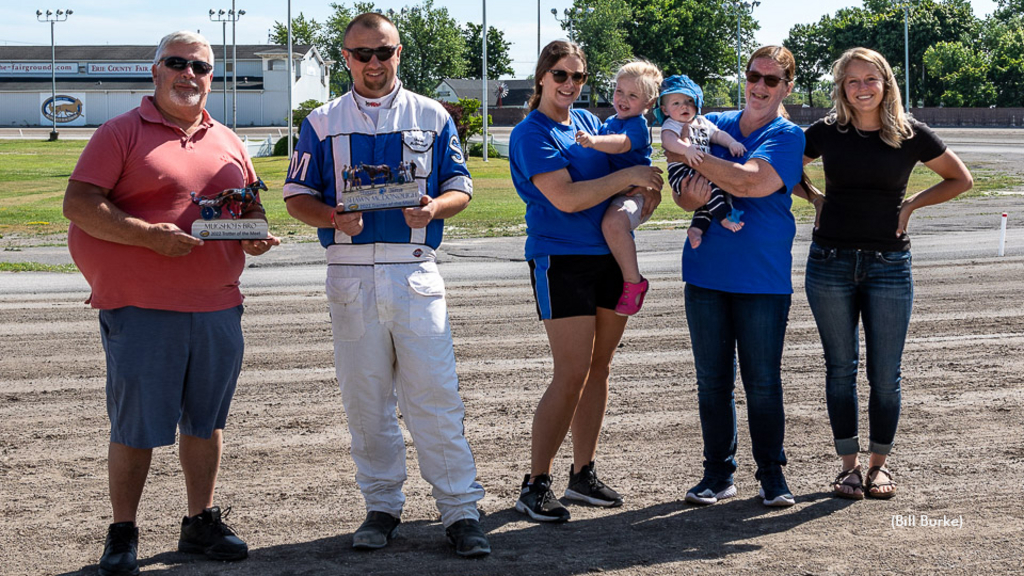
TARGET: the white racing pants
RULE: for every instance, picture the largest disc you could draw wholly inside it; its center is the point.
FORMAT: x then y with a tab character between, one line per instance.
393	346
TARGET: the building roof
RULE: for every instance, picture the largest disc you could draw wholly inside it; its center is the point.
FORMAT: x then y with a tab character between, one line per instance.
122	53
519	91
114	84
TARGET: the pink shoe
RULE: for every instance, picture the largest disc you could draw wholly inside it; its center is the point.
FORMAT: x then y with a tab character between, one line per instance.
632	298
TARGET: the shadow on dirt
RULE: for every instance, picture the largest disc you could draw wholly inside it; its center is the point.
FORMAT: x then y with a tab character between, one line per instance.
661	534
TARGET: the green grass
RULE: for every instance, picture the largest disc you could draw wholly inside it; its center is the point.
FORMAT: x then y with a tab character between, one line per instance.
34	174
37	267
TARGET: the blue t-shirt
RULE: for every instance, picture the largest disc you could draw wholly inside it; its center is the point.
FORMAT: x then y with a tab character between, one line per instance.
636	130
758	259
539	145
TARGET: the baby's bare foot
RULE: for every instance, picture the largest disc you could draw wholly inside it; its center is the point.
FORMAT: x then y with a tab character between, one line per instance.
695	236
731	226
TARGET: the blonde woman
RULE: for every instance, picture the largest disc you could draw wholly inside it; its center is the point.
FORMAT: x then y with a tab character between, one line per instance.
858	270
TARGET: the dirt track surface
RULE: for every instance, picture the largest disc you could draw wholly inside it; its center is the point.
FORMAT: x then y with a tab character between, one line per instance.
287	473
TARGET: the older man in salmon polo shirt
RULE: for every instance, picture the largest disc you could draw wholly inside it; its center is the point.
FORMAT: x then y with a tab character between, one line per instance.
170	307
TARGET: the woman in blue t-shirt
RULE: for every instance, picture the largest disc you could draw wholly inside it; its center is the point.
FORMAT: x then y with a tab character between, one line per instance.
858	268
738	287
576	281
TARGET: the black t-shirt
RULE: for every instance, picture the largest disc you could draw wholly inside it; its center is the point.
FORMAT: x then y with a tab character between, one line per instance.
865	182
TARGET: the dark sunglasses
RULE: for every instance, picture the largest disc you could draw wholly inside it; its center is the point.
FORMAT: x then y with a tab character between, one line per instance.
383	53
560	76
769	80
178	63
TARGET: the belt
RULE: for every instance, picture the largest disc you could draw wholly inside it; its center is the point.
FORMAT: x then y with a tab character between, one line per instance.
379	253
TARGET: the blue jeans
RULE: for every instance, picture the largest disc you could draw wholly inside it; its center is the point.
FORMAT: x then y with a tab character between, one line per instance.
724	325
843	288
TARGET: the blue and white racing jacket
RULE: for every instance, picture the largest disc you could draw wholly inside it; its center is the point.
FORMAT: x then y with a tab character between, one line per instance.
410	128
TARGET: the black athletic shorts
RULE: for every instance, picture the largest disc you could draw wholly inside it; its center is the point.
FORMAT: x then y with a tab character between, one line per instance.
575	285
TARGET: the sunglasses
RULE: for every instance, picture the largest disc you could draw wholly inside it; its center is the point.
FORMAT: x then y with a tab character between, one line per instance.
769	80
383	53
178	63
560	76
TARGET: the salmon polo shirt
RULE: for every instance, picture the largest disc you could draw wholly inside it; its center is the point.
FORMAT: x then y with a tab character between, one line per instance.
150	167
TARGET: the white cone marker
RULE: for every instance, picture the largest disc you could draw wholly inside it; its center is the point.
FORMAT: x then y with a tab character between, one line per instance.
1002	235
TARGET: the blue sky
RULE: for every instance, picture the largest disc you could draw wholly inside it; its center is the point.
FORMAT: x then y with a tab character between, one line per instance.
145	21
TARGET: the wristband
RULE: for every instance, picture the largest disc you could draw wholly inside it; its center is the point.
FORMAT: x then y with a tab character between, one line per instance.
334	222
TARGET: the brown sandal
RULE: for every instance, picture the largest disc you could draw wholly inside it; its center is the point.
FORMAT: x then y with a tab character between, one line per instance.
872	483
844	479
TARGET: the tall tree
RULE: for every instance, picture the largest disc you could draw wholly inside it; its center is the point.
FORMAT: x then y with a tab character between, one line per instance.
961	71
499	63
809	44
303	32
879	25
692	37
432	47
1007	10
1004	38
602	35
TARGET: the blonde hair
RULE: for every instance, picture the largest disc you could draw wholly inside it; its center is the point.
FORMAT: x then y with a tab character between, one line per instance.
648	78
896	125
550	56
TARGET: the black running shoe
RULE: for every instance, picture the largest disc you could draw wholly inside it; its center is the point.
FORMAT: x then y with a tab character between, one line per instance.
207	534
710	491
774	491
376	531
120	553
586	487
538	501
468	539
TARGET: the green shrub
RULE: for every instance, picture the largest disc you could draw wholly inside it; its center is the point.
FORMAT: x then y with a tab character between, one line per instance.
281	147
477	149
298	115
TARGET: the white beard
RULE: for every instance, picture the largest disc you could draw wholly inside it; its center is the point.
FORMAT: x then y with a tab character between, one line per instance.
185	98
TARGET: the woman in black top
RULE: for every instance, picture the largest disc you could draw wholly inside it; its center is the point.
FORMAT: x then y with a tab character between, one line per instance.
859	263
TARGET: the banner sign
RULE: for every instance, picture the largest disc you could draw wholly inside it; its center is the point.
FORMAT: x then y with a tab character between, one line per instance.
37	68
120	69
69	109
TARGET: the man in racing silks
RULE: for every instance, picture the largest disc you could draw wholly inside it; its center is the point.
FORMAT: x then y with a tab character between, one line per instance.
392	340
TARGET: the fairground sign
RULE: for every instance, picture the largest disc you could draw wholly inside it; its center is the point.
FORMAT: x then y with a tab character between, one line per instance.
69	109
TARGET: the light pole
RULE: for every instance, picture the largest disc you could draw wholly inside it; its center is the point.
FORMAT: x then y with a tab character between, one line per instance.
741	9
538	28
905	4
235	15
225	17
571	16
291	80
53	18
483	38
218	16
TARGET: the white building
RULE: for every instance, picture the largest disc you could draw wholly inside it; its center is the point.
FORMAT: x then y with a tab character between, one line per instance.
517	92
96	83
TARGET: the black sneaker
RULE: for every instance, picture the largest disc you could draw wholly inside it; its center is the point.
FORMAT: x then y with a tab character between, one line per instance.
376	530
585	487
774	490
120	553
468	539
539	502
710	491
207	534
